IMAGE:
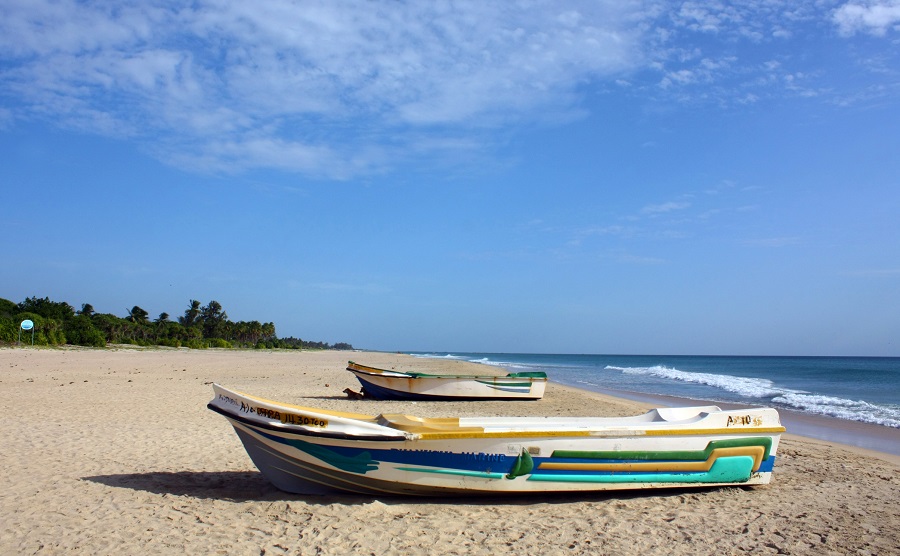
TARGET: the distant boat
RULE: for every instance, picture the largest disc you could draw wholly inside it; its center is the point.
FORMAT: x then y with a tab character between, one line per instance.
313	451
404	385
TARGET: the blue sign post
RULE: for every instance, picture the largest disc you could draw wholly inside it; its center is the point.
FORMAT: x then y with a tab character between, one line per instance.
27	325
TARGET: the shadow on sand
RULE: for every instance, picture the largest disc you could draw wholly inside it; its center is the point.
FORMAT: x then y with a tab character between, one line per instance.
250	486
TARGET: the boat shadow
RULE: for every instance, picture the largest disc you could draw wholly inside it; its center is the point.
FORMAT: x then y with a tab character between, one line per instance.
251	486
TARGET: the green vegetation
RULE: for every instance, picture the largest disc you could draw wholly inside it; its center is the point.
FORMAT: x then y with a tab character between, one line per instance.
57	323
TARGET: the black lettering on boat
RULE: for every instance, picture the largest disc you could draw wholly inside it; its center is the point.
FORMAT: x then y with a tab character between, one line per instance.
743	421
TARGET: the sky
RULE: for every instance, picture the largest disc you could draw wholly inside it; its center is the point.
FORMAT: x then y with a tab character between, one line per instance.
638	177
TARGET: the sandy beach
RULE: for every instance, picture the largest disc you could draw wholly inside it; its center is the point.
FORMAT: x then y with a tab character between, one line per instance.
114	452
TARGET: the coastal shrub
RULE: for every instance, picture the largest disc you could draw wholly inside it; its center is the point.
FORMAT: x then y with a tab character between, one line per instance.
59	311
81	331
47	331
8	331
201	327
196	344
7	308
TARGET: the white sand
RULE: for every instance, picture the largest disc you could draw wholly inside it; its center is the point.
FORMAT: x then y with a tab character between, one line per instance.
114	452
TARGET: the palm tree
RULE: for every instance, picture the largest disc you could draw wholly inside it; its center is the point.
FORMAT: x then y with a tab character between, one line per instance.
137	315
213	318
190	316
268	330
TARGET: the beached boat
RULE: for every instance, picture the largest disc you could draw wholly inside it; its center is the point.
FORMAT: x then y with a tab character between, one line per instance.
313	451
404	385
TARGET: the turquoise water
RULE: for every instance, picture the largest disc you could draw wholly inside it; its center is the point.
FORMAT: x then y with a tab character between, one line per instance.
860	389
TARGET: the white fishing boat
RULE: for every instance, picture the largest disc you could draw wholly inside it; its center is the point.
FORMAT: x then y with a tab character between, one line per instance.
313	451
384	384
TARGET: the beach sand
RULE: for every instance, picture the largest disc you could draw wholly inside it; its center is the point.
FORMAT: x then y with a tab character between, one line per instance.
114	452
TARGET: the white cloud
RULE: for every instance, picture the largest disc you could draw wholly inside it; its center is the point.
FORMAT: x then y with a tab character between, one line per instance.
343	89
876	17
204	80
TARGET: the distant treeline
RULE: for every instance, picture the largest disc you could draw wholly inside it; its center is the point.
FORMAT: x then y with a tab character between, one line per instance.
58	323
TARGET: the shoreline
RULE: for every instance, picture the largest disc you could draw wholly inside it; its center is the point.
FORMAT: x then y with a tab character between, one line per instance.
877	439
113	451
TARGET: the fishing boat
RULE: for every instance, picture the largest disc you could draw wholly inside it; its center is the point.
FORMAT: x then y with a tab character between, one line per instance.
404	385
314	451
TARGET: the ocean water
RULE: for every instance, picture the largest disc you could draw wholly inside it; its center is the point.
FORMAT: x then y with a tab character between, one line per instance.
854	389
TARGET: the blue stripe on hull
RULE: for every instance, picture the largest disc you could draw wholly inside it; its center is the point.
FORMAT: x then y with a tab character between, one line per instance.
293	475
354	464
361	460
381	393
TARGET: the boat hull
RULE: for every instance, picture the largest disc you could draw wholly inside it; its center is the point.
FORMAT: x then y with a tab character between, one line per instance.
394	385
496	455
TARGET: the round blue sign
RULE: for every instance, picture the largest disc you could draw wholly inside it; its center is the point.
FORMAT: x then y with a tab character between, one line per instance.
27	325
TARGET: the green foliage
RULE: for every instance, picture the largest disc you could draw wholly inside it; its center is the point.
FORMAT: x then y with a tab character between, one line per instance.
7	308
191	315
8	330
81	331
212	319
57	323
59	311
137	315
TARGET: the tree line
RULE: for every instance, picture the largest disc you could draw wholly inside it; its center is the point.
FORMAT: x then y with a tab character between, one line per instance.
201	326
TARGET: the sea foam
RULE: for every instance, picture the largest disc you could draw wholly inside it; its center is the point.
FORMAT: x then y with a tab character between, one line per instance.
745	386
762	388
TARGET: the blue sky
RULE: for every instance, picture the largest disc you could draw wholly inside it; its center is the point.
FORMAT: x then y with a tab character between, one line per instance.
543	176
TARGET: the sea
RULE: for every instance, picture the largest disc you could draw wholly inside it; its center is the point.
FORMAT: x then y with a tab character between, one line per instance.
852	400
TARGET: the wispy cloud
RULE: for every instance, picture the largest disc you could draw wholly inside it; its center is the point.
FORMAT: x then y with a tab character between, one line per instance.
664	208
346	89
304	87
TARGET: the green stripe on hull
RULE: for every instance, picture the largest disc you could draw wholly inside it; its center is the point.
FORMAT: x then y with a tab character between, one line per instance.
693	455
733	469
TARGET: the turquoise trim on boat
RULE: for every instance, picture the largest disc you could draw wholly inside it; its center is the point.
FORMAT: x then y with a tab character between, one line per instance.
361	463
732	469
682	455
459	472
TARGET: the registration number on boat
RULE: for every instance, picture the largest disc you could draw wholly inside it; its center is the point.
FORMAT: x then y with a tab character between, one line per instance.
291	418
744	420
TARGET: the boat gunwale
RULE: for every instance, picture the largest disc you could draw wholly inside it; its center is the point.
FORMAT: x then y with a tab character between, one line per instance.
437	428
295	429
355	367
426	433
